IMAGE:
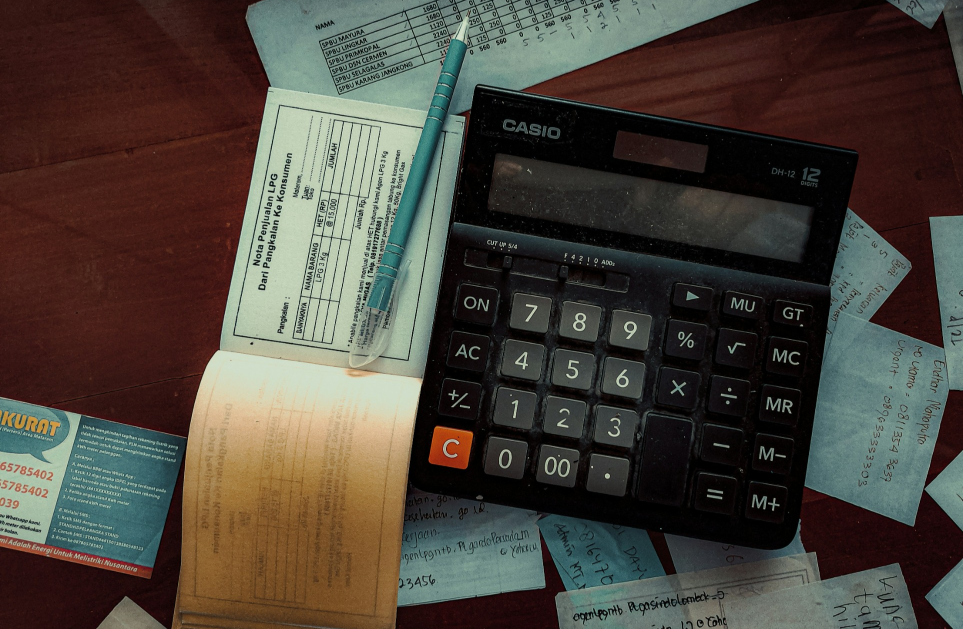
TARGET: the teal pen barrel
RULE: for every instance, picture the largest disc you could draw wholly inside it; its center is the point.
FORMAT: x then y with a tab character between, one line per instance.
380	295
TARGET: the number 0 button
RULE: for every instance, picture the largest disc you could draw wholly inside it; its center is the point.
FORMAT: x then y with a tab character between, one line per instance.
557	466
506	457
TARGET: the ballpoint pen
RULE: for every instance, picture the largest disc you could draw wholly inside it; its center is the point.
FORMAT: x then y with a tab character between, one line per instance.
372	337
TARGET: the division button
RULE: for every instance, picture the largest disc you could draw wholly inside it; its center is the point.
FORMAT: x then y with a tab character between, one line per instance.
530	313
476	304
735	348
514	408
743	305
779	404
692	297
450	447
722	445
715	493
665	459
580	321
786	357
791	313
468	351
678	388
728	396
557	466
522	360
630	330
506	457
685	340
615	426
772	454
564	417
607	475
766	502
459	399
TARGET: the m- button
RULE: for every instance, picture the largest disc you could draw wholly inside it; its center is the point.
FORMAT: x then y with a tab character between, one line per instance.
476	304
468	351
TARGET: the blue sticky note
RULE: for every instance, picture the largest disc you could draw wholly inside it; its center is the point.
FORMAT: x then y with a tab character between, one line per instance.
947	490
947	597
588	554
947	234
881	400
693	555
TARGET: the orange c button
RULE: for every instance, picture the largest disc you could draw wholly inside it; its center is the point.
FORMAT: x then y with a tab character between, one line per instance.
450	447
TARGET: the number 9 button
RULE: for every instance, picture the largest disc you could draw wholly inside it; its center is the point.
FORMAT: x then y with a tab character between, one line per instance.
630	330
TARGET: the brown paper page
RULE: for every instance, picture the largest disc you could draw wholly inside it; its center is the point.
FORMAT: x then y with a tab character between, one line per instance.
294	494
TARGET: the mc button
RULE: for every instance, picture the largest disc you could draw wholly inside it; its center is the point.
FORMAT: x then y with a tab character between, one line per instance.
468	351
786	357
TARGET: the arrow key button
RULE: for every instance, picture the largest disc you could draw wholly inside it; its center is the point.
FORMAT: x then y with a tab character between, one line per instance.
692	297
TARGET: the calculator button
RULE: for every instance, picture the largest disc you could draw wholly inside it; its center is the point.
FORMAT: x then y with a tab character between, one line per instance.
530	313
459	399
468	351
580	321
766	502
791	313
514	408
623	377
715	493
575	370
735	348
665	459
722	444
786	357
557	466
476	304
779	404
564	417
615	426
506	457
607	475
522	360
630	330
692	297
450	447
743	305
678	388
728	396
772	454
685	340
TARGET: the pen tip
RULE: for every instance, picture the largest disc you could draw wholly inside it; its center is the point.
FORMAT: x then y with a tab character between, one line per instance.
462	34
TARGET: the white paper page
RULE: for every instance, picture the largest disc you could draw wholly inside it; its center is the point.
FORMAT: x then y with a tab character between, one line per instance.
589	554
866	271
953	16
946	597
926	12
389	51
872	598
947	490
947	235
328	176
878	412
680	600
129	615
692	555
454	548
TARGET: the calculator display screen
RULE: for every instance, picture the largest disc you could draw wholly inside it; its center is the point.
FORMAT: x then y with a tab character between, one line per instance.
651	208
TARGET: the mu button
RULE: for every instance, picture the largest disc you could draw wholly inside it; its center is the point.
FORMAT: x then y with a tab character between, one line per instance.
450	447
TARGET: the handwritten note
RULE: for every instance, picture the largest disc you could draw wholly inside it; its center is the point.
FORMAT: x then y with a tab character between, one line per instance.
448	543
688	600
691	555
129	615
926	12
947	234
947	490
589	554
872	598
881	400
866	271
947	597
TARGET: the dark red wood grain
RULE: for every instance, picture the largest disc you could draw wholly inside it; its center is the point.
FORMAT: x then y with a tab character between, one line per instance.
127	136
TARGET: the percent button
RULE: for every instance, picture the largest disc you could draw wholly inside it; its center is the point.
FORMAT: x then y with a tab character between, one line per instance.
684	339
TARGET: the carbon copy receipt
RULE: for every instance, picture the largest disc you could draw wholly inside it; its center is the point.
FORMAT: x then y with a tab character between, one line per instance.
327	180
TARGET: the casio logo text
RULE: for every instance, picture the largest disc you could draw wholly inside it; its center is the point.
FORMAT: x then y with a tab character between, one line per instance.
542	131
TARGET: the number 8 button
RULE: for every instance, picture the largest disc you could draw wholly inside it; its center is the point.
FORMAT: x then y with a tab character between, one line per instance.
580	321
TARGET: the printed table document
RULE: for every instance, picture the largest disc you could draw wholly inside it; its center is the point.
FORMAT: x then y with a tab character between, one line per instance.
84	490
296	466
389	51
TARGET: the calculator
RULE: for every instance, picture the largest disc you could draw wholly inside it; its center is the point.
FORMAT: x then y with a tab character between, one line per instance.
631	319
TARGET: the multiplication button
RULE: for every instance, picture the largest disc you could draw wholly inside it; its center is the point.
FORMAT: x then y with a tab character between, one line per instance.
459	399
678	388
685	340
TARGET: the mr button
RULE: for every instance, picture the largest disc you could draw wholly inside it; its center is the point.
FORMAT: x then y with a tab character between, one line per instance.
786	357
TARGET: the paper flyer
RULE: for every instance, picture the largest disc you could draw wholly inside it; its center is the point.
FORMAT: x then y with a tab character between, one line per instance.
82	489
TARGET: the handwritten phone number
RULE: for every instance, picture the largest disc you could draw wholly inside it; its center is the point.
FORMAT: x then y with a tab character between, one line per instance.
23	470
9	503
20	488
424	580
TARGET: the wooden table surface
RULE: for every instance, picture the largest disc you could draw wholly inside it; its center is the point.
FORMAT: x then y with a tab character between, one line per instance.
127	138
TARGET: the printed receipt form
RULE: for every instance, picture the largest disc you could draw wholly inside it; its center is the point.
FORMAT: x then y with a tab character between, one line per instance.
317	216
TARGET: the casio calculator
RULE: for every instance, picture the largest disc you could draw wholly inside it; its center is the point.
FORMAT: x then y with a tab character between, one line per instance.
631	318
